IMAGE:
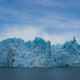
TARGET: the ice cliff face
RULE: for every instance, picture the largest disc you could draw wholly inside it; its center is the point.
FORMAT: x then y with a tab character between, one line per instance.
15	52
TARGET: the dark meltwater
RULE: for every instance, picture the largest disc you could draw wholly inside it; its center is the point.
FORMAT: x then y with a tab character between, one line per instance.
39	73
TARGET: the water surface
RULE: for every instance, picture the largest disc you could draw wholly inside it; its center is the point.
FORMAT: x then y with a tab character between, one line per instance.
39	73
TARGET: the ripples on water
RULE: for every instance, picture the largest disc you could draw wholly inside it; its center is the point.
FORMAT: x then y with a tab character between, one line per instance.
39	73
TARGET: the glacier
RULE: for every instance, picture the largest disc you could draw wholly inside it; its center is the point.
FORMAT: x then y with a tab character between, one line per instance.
15	52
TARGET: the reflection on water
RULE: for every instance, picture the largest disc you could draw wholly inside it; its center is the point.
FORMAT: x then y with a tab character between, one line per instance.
39	73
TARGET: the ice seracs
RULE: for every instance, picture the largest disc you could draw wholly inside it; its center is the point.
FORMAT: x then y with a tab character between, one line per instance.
15	52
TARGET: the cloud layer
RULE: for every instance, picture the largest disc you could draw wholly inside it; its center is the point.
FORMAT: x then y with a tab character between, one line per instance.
55	20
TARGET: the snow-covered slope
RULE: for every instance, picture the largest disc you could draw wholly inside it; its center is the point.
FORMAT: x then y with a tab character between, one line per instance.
15	52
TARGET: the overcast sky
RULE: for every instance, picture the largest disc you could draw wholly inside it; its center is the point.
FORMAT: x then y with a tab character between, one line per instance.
54	20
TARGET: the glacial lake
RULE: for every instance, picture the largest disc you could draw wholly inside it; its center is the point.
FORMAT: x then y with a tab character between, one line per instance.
39	73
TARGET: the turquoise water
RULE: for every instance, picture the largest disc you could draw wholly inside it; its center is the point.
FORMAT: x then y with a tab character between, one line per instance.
39	73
